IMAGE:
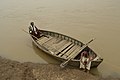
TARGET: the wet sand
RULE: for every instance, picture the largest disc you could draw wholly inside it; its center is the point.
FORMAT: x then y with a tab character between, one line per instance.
13	70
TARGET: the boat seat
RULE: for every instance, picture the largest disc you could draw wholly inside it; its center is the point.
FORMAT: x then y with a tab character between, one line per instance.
44	39
53	43
70	51
74	52
65	46
49	42
60	44
40	38
66	50
58	40
56	46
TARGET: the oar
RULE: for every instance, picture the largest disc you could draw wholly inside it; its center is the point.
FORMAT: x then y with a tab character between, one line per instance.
62	65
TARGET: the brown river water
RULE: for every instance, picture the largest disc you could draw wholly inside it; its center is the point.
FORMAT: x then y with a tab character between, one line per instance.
80	19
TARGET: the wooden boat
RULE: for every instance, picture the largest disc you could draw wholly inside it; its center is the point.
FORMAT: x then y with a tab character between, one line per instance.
63	48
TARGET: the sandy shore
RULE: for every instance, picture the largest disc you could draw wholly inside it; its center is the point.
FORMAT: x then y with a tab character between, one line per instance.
13	70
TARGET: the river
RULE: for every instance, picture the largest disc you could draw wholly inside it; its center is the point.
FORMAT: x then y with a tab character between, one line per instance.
80	19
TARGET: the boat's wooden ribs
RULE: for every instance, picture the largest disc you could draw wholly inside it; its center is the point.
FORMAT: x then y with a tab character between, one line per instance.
63	47
58	41
44	39
66	50
51	44
66	54
54	34
60	45
54	47
74	52
50	41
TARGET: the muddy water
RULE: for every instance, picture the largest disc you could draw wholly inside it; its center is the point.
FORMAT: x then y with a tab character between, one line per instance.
81	19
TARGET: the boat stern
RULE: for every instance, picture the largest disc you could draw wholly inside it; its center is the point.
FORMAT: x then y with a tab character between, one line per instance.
96	61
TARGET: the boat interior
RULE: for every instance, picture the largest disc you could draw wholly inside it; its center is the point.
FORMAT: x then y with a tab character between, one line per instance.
62	46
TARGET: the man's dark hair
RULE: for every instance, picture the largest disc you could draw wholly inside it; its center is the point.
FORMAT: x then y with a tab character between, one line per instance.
32	23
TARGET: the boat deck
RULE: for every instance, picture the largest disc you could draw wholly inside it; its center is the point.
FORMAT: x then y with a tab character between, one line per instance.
59	47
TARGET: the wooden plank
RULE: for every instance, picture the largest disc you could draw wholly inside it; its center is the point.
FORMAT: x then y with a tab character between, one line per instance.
53	43
49	42
64	47
74	52
66	50
40	38
55	47
70	51
59	45
58	40
43	40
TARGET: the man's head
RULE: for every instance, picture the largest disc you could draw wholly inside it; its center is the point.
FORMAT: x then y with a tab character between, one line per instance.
32	23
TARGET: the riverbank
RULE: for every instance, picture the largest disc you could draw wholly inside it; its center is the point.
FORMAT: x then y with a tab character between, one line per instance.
13	70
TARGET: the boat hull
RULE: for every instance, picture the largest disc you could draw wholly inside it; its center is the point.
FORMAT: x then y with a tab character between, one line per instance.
74	62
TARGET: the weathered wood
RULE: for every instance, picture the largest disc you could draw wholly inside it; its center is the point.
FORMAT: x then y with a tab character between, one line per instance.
70	51
50	42
59	45
74	52
64	47
82	48
55	47
66	50
74	55
43	40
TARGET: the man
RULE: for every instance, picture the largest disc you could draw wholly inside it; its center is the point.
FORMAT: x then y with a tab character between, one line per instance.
34	30
85	61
